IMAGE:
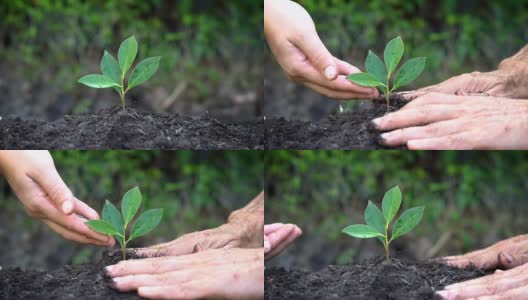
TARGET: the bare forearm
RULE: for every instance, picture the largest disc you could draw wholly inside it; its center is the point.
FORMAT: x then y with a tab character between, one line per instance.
251	219
516	70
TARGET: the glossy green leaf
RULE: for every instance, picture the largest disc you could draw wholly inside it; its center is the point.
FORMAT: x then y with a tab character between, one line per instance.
361	231
143	71
375	66
102	227
393	54
409	72
374	218
146	222
407	221
130	204
127	54
110	68
113	216
97	81
391	203
364	79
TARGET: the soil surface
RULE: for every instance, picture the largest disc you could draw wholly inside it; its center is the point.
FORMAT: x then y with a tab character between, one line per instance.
377	278
69	282
351	130
116	128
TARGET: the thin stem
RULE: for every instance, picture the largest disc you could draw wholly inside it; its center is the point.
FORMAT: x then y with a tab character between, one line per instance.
386	244
387	93
123	92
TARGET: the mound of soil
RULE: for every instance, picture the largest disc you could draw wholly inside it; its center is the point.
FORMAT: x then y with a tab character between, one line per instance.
342	131
116	128
69	282
377	278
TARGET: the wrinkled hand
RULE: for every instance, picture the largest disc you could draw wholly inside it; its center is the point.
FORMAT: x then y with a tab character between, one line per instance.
439	122
293	39
219	273
509	254
278	236
45	196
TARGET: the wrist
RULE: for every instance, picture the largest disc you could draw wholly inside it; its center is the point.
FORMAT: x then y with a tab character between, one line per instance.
248	227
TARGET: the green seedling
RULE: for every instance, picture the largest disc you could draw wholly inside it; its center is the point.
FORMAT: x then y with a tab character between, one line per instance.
115	223
114	72
379	74
378	222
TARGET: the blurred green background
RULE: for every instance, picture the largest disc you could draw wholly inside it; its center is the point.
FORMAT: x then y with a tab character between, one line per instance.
456	37
472	200
197	190
210	54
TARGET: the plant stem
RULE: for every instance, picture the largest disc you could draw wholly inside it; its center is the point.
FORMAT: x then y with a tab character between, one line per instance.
387	94
122	94
386	244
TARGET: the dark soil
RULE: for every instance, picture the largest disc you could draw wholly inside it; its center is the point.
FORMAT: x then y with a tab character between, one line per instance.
350	130
377	278
69	282
116	128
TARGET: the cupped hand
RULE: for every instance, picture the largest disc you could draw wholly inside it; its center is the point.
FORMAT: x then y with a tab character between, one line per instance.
219	273
34	179
278	236
510	254
293	39
441	122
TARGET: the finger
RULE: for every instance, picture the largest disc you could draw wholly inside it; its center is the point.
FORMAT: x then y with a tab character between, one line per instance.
186	291
133	282
84	210
340	84
72	236
149	265
508	261
482	259
56	189
272	227
181	246
336	94
515	293
459	141
435	98
403	135
416	117
267	246
285	243
344	68
312	46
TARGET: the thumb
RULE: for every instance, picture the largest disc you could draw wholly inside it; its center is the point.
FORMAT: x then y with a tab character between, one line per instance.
312	46
57	191
508	261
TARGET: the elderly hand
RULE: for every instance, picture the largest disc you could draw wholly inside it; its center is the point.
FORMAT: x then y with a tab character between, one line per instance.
440	122
38	185
293	39
278	236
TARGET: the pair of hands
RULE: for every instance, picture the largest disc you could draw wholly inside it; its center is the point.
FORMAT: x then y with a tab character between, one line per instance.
510	255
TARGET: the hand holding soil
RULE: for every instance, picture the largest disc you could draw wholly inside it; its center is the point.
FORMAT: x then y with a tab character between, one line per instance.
293	39
278	236
45	196
440	121
507	254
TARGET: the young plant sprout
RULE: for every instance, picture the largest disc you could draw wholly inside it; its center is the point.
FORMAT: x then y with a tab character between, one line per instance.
379	74
115	223
378	222
114	72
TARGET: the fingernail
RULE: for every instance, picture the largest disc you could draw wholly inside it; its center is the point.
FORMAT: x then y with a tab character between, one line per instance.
67	207
382	139
108	271
113	283
442	294
330	72
508	257
266	246
376	122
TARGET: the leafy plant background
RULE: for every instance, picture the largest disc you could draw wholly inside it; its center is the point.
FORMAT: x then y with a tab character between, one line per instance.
196	189
209	48
472	199
455	36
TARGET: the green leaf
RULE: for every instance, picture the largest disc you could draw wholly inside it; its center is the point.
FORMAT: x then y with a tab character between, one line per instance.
391	203
407	221
102	227
364	79
374	218
146	222
143	71
130	204
110	68
97	81
393	54
361	231
409	72
375	66
113	216
127	54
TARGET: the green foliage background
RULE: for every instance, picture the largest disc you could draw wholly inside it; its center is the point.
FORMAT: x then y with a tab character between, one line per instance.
197	190
479	197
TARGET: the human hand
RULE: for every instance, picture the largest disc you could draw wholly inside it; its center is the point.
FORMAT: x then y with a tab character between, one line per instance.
218	273
40	189
440	122
509	254
278	236
293	39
